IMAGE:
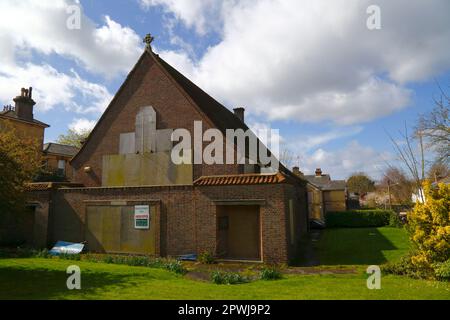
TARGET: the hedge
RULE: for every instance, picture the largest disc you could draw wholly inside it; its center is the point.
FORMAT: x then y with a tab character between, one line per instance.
359	218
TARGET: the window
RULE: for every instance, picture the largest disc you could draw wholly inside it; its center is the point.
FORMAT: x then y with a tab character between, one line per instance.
61	167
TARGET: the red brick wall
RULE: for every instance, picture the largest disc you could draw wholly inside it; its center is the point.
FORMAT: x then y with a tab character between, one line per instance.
148	86
187	215
175	213
272	215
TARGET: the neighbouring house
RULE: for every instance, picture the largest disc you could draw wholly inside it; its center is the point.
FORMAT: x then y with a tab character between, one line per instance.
21	119
57	157
324	194
128	195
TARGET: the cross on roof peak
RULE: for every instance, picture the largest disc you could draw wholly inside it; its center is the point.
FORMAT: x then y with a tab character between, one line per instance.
148	40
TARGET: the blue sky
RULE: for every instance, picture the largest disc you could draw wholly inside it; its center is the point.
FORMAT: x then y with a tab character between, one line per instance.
311	69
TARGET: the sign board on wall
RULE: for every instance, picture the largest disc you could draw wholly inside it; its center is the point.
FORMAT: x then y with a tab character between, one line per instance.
142	217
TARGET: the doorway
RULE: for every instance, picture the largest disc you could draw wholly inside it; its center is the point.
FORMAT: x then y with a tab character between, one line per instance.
239	233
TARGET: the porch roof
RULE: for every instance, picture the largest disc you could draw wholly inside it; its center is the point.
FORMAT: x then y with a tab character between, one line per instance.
242	179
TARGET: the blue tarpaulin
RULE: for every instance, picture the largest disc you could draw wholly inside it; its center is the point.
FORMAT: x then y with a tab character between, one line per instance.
188	257
67	248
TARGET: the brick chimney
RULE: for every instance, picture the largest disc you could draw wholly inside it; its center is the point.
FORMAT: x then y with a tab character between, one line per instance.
240	113
318	172
24	104
297	172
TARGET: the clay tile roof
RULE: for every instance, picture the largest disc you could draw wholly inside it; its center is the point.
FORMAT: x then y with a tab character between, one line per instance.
43	186
38	186
243	179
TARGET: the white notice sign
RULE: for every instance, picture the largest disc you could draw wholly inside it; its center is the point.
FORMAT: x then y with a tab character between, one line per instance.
142	217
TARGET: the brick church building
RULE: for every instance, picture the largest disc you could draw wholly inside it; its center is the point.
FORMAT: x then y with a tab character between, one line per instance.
127	196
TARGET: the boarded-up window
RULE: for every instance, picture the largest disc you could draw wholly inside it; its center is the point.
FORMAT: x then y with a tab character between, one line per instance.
145	139
112	229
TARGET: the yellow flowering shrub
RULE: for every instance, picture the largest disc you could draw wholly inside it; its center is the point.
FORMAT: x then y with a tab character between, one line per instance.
429	228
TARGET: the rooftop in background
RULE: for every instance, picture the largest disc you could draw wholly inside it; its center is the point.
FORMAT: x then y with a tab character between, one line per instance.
324	182
9	112
60	149
23	109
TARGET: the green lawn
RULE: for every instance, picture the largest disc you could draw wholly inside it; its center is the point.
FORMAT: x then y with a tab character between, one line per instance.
361	246
46	278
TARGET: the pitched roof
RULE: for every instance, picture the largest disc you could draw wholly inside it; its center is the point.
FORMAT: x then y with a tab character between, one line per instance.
325	183
242	179
219	114
60	149
221	117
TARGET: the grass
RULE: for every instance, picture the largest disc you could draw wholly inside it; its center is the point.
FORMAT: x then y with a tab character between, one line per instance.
35	278
46	279
363	246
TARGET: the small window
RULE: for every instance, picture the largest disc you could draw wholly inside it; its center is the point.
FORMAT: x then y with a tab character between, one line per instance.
61	167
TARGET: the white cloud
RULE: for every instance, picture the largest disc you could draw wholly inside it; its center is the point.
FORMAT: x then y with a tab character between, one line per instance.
313	141
82	125
29	27
109	49
202	15
52	88
316	60
354	157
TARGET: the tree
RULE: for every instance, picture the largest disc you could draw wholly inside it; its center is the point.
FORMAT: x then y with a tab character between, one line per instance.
360	183
398	186
435	128
19	162
73	138
287	157
412	159
438	171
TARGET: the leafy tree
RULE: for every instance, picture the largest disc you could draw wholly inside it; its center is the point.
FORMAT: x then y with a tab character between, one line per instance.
435	127
19	162
360	183
73	138
429	228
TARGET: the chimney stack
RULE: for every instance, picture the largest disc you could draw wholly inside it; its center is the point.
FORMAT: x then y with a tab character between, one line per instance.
318	172
240	113
24	104
297	172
